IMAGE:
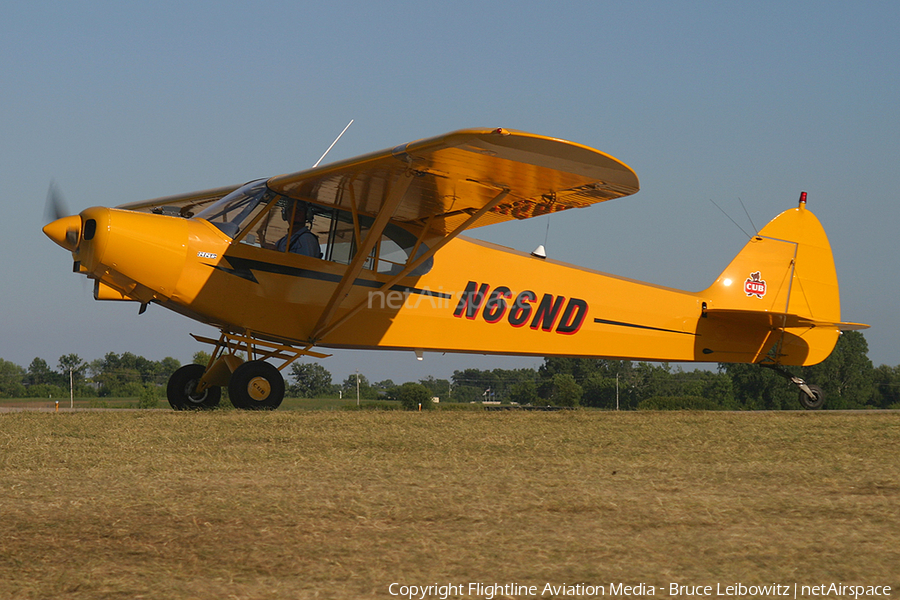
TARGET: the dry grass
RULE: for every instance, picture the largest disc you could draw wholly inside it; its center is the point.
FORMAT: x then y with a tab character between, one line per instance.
341	504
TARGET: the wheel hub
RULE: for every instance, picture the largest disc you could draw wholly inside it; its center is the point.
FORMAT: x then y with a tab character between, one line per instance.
259	388
190	392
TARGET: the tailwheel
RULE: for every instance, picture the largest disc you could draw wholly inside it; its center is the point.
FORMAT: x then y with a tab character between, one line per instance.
182	390
814	400
811	396
256	385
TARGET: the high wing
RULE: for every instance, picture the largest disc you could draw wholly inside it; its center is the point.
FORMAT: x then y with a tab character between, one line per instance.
440	186
455	175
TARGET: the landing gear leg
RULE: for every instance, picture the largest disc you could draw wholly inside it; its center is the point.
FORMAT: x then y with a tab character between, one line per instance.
252	384
811	396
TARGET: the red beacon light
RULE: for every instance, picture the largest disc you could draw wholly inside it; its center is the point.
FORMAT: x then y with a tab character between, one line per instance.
803	199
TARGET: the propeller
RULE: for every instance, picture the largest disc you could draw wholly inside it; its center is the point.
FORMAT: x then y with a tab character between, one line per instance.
62	227
55	207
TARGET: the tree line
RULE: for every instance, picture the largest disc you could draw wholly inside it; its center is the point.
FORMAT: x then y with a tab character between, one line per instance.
847	377
116	375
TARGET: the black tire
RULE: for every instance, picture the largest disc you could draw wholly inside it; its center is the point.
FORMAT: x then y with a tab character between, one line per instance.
814	403
256	385
181	390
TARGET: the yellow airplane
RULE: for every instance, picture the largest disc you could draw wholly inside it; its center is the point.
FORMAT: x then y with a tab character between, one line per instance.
368	253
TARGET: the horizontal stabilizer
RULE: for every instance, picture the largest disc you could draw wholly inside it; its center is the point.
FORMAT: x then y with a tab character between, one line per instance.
781	320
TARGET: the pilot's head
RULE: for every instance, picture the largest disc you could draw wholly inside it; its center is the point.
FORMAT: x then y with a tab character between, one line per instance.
295	211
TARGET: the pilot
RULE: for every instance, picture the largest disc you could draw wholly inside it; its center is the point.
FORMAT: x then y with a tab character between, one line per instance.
302	240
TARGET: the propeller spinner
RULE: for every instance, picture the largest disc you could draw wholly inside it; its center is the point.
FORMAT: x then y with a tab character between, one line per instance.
63	228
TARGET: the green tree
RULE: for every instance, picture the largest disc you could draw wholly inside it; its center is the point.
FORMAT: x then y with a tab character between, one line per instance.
476	385
201	357
366	390
73	363
438	388
126	374
471	385
311	380
384	385
653	380
887	386
758	388
506	379
524	392
578	368
113	376
149	396
847	375
564	390
597	378
11	377
167	366
717	388
582	368
411	395
714	387
600	391
39	373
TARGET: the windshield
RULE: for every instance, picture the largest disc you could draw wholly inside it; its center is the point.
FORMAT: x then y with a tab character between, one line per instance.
239	207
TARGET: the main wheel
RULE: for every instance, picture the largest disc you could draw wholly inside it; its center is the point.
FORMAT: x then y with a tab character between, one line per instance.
814	403
256	385
182	390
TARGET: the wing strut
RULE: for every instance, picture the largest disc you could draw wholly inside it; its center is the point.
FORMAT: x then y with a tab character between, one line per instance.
321	333
395	195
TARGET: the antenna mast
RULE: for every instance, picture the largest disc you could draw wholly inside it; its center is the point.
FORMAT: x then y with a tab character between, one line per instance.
333	143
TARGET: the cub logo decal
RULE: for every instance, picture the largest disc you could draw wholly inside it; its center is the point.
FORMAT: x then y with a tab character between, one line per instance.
755	286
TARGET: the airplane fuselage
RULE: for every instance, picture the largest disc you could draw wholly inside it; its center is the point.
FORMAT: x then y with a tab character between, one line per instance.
477	297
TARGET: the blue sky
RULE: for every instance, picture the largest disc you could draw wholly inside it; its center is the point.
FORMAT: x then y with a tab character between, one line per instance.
729	101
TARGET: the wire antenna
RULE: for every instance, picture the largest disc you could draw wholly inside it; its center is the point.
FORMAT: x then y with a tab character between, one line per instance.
730	219
755	228
333	143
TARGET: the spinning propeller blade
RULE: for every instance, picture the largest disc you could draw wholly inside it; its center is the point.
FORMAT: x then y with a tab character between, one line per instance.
55	207
62	227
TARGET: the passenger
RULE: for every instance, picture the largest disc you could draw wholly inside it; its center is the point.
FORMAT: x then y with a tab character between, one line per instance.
303	241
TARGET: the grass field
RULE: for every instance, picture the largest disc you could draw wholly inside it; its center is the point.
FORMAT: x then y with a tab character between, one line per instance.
336	504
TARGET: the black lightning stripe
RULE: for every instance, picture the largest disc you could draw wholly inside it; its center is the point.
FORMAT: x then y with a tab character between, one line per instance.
244	267
636	326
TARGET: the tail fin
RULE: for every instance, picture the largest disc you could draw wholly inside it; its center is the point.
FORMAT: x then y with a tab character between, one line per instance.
783	287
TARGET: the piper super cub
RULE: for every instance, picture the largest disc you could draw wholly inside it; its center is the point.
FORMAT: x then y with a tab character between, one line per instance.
368	253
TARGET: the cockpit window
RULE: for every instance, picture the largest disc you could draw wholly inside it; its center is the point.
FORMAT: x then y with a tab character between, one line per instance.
254	215
234	211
